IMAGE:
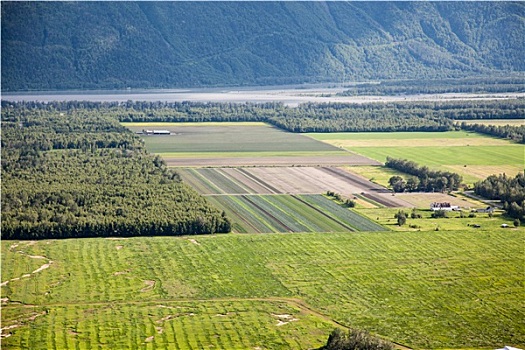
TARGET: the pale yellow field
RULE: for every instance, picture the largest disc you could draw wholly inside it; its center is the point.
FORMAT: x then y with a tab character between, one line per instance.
499	122
423	200
483	171
428	142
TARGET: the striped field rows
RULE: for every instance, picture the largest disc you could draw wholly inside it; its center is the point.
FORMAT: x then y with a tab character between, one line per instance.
290	213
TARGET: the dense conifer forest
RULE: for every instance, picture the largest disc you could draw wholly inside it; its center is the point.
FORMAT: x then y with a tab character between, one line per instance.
55	45
510	190
76	173
310	117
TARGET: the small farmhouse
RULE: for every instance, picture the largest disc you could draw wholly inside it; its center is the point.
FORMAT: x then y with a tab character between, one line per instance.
156	132
485	210
443	206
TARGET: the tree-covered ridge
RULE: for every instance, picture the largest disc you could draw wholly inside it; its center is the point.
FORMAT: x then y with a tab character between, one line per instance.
510	190
79	174
65	45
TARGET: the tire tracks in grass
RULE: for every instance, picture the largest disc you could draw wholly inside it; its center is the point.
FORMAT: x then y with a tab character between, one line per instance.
294	302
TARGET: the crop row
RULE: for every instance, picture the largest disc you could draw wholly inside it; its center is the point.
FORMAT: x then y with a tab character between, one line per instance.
285	213
357	221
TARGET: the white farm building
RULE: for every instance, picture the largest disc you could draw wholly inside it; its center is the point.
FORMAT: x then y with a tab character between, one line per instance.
156	132
446	206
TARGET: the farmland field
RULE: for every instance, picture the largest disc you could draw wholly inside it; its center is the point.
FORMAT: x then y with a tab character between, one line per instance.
286	213
238	144
472	155
420	289
279	180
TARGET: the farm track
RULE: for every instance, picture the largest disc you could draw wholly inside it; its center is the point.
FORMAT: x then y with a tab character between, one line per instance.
294	302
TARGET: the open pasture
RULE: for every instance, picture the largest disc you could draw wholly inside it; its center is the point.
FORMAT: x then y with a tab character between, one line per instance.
453	221
287	213
457	289
452	151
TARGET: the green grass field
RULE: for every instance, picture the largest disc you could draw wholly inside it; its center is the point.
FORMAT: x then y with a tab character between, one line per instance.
474	156
457	289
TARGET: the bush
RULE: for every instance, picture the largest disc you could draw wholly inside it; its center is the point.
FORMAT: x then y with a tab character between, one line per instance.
354	340
439	214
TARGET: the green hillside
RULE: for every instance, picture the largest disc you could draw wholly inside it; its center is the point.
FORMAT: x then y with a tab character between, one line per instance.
58	45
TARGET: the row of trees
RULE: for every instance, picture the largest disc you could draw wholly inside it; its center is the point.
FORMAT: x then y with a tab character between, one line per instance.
308	117
514	133
510	190
439	86
59	180
423	178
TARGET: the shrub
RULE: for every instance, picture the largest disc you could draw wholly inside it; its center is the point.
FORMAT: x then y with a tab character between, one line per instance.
355	339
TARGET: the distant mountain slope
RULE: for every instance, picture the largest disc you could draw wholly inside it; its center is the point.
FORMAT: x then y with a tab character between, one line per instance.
57	45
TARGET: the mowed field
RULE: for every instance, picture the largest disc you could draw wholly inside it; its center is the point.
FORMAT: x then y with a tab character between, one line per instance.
471	155
240	144
454	289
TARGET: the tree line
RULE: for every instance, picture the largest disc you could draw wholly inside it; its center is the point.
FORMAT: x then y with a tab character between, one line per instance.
437	86
514	133
509	190
81	174
423	178
308	117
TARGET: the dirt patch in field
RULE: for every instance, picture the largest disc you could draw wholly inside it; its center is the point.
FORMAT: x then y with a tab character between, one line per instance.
149	286
271	161
119	247
194	241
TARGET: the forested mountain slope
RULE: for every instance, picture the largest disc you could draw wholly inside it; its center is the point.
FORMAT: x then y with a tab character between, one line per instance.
58	45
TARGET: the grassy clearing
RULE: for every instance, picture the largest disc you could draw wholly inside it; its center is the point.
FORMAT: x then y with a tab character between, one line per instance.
385	217
422	289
